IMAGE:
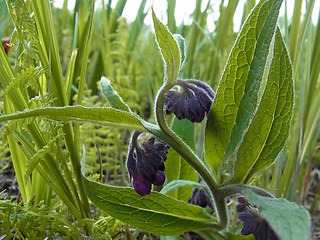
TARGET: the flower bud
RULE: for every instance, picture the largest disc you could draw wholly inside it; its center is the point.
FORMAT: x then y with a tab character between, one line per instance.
253	223
146	162
192	100
200	198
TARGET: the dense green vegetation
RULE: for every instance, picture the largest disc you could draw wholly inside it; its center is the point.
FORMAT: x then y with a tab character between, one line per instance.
60	151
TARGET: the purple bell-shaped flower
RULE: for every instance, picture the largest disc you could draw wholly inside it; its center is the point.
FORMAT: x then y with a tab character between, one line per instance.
192	100
146	162
253	223
200	198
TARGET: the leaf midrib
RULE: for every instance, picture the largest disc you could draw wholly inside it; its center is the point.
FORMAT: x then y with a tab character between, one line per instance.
182	217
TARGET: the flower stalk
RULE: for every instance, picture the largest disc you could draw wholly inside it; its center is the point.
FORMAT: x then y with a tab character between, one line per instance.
185	152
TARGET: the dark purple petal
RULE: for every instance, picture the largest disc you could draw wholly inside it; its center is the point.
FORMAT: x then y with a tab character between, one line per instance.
162	167
248	228
245	216
141	187
195	111
200	198
241	207
194	101
181	110
250	223
272	235
253	223
204	86
145	163
160	178
131	165
193	196
261	232
203	98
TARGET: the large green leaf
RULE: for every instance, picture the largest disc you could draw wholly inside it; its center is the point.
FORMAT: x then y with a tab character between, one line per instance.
239	90
156	213
99	115
289	220
270	127
176	167
169	49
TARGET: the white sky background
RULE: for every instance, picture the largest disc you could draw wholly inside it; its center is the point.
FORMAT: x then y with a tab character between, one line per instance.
184	9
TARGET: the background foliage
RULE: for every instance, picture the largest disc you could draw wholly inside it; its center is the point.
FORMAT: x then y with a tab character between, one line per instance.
57	58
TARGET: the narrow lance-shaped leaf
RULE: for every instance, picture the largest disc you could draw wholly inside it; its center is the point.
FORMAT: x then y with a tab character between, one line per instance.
99	115
169	49
289	220
156	213
238	92
270	127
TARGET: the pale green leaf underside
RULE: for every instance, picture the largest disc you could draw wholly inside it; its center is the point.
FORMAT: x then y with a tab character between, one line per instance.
269	129
289	220
156	213
182	47
178	184
169	49
112	96
98	115
237	95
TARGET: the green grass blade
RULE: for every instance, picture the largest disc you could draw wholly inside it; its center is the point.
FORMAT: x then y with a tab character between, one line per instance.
171	6
137	26
69	74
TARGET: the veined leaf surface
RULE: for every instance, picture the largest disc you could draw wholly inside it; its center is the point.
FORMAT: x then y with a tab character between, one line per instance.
238	93
269	129
156	213
99	115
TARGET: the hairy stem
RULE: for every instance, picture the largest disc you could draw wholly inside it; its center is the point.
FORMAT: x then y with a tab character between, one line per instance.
184	151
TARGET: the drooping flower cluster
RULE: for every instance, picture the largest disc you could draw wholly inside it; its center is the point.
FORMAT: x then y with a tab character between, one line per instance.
192	100
200	198
253	223
146	162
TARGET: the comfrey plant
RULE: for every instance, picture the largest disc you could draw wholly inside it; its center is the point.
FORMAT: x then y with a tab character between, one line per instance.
248	122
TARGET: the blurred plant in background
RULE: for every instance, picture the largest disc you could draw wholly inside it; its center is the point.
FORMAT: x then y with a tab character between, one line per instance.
57	58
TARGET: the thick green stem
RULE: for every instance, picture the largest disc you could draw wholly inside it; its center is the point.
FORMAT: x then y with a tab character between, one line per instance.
184	151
